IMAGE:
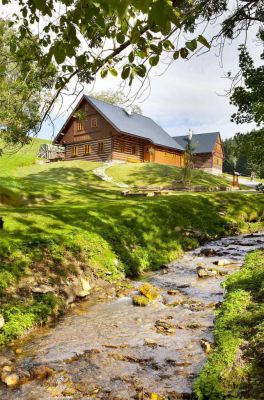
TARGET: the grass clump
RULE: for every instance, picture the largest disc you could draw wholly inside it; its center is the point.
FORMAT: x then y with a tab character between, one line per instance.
234	370
21	316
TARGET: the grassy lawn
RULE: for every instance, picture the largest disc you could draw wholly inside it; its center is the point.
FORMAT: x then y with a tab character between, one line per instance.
235	369
148	174
64	221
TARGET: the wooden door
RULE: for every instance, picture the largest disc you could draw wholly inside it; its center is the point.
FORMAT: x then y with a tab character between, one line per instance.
149	154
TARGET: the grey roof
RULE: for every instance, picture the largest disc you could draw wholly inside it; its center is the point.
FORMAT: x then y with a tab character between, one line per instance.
202	142
133	124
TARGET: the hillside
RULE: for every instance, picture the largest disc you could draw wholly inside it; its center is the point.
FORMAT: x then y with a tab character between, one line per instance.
10	161
150	174
69	225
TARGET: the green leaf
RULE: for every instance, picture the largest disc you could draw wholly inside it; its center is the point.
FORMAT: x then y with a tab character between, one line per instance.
154	60
141	54
155	48
203	41
176	54
131	56
192	45
125	72
104	73
140	70
113	71
120	37
141	5
184	52
167	45
59	52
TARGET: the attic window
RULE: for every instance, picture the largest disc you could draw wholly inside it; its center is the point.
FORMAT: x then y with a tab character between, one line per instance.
79	125
94	122
86	107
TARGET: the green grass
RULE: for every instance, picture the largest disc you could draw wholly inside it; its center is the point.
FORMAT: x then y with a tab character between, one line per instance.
12	160
234	370
67	220
148	174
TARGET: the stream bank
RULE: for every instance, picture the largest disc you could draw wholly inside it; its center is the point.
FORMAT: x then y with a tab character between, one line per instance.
110	349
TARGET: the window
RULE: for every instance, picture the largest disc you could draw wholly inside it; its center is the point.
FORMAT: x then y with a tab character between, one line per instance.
122	147
134	150
79	125
86	107
74	151
100	147
87	149
165	154
94	122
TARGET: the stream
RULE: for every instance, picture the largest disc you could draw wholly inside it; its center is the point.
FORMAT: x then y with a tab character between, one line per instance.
110	349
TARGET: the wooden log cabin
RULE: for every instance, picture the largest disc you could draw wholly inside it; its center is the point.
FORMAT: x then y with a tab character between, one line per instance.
207	149
99	131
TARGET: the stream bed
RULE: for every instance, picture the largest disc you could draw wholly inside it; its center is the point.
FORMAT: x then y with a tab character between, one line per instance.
110	349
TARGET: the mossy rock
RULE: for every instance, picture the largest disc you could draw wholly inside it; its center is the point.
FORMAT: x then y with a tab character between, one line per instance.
139	300
149	291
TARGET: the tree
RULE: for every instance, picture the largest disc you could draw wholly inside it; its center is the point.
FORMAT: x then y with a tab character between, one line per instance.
234	160
24	87
189	159
87	37
116	97
251	145
249	98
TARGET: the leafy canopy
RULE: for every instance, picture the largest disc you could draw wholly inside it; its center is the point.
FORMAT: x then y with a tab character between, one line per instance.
113	37
24	86
249	98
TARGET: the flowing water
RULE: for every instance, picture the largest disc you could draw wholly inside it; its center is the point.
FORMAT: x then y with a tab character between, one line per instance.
110	349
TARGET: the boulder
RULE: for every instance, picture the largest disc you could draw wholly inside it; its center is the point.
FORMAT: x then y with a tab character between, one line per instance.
151	343
206	346
41	372
2	321
208	252
9	377
202	272
149	291
42	289
141	301
81	287
165	327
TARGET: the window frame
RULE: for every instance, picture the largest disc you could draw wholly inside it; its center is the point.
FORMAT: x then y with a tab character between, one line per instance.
80	125
134	149
74	151
121	146
100	147
94	119
87	149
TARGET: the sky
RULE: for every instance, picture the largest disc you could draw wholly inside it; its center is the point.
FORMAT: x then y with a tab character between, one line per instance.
190	94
